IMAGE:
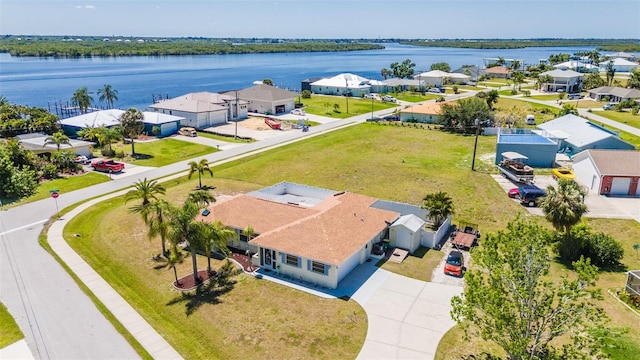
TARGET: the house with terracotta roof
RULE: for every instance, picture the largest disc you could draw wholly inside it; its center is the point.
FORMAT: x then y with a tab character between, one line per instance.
497	72
319	235
609	172
267	99
204	109
427	112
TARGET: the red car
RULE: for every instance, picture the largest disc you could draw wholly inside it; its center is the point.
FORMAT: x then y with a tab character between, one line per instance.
513	193
454	264
107	166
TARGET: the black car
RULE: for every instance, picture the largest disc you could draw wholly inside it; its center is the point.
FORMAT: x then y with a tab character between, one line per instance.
530	195
392	117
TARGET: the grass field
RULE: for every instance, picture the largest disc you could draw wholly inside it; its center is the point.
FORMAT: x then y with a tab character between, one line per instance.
9	330
247	318
624	117
419	265
65	185
163	152
253	318
230	139
415	96
541	112
323	105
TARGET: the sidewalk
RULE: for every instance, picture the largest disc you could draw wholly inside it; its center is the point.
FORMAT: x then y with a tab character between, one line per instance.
153	343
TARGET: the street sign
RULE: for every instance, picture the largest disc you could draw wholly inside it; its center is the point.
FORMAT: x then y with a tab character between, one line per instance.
55	195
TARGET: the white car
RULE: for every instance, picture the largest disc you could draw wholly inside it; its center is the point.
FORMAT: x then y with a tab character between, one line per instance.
371	96
299	112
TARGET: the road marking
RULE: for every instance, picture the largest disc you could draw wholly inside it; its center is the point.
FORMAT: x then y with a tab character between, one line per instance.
23	227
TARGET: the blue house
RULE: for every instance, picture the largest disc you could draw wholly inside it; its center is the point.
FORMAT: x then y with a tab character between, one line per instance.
576	134
167	124
540	150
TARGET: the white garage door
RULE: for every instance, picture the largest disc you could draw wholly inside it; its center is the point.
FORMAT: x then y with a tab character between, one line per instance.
620	186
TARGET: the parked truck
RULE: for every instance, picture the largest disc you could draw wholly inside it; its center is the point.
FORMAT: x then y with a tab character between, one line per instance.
109	166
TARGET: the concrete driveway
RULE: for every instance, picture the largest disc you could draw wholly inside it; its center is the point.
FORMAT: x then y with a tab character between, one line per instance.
599	206
407	317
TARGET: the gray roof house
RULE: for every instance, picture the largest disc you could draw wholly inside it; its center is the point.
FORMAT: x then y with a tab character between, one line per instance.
168	124
34	142
614	93
577	134
473	71
563	80
268	99
203	109
402	84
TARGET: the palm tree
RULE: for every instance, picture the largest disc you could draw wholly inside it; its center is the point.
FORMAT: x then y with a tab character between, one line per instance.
82	99
563	207
131	126
200	167
146	190
216	237
106	135
385	73
439	205
108	94
184	228
58	139
155	216
202	198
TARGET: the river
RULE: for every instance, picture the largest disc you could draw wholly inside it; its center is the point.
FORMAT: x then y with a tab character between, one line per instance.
44	82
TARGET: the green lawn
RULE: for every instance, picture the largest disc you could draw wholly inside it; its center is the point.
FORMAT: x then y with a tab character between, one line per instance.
624	117
541	112
323	105
65	185
388	161
248	318
415	96
163	152
9	330
419	265
548	97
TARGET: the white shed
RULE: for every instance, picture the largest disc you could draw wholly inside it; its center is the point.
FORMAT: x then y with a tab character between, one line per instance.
406	232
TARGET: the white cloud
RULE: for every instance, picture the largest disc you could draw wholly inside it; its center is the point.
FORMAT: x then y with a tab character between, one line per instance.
85	7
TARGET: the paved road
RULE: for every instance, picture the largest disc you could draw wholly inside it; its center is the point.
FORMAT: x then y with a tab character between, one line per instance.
59	321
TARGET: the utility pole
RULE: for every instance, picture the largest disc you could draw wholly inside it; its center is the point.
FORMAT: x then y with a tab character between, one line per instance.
237	115
346	92
475	145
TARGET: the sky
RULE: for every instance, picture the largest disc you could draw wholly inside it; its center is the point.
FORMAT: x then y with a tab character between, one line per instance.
415	19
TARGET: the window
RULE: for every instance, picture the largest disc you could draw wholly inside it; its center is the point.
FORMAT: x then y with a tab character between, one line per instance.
291	260
318	267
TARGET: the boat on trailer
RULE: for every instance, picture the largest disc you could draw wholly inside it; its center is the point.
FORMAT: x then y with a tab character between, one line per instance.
513	166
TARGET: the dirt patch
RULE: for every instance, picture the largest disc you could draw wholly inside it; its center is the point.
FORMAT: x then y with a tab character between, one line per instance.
254	123
187	282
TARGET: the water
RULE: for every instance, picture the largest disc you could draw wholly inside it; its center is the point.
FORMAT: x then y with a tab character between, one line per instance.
43	82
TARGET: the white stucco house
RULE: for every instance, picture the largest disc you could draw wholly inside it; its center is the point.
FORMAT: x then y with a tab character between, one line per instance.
204	109
267	99
342	84
578	66
563	80
34	142
619	65
431	78
614	93
319	235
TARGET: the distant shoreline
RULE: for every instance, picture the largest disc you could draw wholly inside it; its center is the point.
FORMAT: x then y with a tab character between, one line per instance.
95	46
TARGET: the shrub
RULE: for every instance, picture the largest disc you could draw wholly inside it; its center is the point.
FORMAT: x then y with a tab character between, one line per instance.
634	110
107	152
120	154
514	92
526	93
602	249
49	171
306	94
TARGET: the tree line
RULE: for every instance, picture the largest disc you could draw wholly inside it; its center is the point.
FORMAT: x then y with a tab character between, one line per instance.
94	47
629	45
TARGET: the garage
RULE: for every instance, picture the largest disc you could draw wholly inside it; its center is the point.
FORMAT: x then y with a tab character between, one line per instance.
620	186
169	129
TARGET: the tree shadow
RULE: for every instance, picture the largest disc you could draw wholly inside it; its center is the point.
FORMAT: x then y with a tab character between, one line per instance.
139	156
208	293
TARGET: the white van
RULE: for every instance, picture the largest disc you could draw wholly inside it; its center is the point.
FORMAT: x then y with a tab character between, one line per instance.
531	120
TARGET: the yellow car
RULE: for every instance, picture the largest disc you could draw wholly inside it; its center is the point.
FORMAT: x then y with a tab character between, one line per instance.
561	173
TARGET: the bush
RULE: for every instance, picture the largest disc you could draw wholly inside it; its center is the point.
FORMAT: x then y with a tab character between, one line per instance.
306	94
49	171
526	93
634	110
603	250
106	152
514	92
120	154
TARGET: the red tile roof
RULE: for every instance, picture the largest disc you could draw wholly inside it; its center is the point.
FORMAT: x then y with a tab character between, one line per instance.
330	232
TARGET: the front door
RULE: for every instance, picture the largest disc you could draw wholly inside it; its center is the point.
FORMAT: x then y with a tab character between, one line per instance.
269	258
